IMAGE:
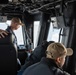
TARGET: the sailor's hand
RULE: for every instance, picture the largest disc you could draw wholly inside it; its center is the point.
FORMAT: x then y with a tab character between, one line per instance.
3	33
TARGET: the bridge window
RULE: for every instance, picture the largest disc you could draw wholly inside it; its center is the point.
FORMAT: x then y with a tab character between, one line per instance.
53	34
3	26
36	32
17	32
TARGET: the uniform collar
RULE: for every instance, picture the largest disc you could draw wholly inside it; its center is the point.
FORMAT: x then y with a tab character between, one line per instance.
49	62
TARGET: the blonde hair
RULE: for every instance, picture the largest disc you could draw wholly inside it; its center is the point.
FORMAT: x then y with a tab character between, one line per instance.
16	20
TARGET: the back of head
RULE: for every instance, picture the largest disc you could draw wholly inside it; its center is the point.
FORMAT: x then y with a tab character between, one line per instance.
8	53
56	50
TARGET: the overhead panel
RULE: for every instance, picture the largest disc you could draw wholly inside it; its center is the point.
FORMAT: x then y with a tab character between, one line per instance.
4	1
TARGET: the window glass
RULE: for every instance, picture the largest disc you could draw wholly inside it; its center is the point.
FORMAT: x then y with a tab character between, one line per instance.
53	34
19	36
36	32
3	26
